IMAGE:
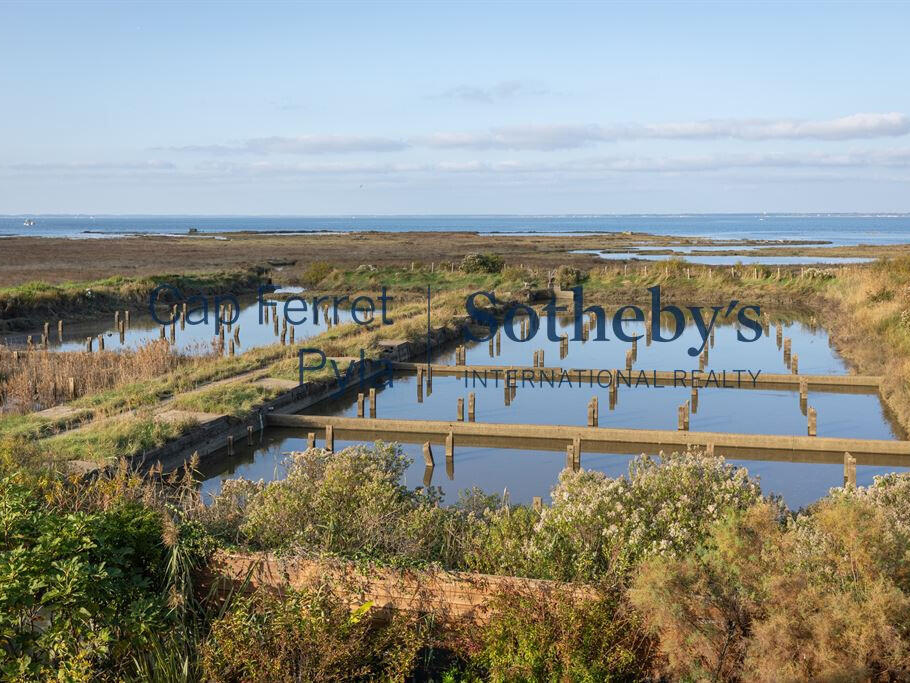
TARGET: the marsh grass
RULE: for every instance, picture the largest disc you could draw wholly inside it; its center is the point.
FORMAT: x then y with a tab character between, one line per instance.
39	379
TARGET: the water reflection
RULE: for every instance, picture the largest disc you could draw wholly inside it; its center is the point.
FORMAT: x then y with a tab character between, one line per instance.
533	469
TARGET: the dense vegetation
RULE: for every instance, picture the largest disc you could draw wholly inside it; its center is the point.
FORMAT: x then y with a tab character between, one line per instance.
694	574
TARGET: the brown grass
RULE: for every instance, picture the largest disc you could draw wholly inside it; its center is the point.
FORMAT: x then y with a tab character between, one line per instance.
40	379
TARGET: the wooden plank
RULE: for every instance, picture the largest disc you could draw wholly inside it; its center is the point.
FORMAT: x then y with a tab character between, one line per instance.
591	436
764	380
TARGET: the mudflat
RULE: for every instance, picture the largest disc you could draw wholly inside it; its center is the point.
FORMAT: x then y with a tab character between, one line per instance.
52	260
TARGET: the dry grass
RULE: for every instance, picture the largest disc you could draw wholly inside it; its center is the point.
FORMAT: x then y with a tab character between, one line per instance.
34	380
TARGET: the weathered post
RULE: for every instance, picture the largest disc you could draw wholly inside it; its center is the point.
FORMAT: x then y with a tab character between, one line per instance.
71	382
576	452
311	440
460	411
849	471
428	454
230	445
794	364
681	418
372	402
360	405
803	389
60	330
471	404
813	422
450	446
330	438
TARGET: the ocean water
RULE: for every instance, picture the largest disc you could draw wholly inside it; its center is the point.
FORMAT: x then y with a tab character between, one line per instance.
835	229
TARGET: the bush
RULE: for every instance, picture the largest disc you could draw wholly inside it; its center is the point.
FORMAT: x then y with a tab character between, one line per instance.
351	503
482	263
600	528
308	635
546	636
568	277
820	598
79	592
315	272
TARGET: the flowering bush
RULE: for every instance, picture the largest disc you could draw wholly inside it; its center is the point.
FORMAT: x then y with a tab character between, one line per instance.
598	527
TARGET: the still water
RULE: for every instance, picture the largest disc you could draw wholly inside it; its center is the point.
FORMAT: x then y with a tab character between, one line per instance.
695	258
527	473
191	340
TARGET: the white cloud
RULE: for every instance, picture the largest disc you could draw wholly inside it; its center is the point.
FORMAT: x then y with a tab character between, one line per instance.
305	144
503	90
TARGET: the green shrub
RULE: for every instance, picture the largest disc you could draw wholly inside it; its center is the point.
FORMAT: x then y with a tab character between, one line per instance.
309	635
482	263
568	277
537	635
351	503
79	592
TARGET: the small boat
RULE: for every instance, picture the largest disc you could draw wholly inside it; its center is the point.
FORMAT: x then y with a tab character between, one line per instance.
28	222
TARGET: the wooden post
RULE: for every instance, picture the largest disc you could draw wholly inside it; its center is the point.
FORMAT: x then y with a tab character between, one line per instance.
330	438
813	422
230	445
461	410
537	504
292	336
174	333
681	418
570	457
428	454
71	381
498	342
628	360
803	389
849	471
576	452
249	435
794	364
127	314
471	404
360	405
372	402
60	330
47	330
311	440
540	358
101	342
450	446
231	348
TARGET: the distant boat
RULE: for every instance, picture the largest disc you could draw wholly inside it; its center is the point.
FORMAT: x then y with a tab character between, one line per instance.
28	222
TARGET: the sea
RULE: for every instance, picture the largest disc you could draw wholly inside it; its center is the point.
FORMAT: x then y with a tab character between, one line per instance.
820	228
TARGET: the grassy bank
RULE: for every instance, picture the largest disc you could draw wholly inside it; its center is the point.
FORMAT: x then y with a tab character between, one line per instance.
29	305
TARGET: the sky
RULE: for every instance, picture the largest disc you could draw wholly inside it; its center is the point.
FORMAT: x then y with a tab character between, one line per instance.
453	108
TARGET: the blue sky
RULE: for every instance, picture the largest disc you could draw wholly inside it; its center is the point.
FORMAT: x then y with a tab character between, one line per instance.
346	108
